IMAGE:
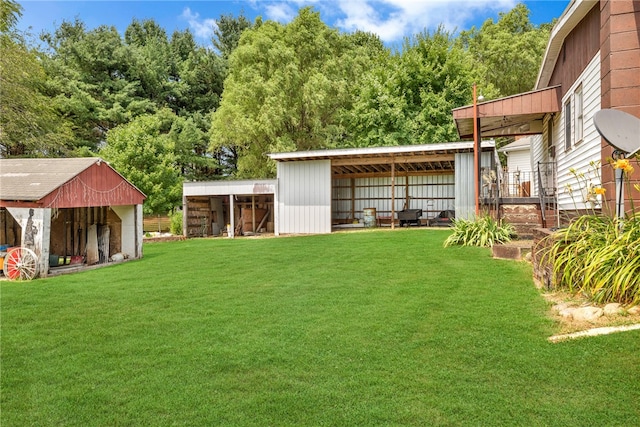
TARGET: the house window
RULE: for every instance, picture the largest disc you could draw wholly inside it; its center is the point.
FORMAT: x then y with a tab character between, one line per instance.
579	113
567	125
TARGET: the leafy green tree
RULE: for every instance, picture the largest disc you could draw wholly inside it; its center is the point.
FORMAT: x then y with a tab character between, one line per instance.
90	80
437	77
407	97
29	125
144	153
378	114
285	89
151	62
10	12
101	80
190	139
227	33
199	76
508	52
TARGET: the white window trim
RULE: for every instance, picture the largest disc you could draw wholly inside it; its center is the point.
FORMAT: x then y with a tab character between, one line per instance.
567	124
578	107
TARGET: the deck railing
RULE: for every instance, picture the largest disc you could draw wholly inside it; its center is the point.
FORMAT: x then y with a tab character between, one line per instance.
517	184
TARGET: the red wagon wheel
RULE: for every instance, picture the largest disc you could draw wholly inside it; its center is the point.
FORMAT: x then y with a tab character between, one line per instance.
20	264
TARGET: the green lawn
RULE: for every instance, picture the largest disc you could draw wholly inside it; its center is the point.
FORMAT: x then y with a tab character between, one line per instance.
349	329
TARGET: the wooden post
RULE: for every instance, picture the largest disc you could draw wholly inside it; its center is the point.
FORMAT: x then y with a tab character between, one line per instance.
353	199
253	212
232	220
393	194
43	262
407	198
476	151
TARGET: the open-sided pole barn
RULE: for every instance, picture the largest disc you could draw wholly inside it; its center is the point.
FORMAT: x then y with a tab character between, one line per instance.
209	207
318	191
77	209
324	189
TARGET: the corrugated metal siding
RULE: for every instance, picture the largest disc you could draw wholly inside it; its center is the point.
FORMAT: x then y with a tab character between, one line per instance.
431	193
582	154
465	204
464	192
304	197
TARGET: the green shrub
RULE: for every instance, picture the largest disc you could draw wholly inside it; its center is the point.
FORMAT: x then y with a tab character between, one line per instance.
599	257
176	223
483	231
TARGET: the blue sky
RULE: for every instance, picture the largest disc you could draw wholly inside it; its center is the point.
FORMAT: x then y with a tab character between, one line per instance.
390	19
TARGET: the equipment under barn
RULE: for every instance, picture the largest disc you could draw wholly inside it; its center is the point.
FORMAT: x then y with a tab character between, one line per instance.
318	191
69	211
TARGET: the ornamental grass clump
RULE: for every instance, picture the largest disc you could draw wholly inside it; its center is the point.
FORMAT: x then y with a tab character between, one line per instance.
599	255
484	231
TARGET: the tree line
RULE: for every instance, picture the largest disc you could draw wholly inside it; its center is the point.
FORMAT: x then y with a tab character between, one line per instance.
164	109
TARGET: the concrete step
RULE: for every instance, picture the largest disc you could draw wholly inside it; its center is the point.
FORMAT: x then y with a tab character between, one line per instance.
516	250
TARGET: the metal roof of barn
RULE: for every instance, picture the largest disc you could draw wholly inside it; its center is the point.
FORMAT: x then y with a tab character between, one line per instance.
64	182
377	161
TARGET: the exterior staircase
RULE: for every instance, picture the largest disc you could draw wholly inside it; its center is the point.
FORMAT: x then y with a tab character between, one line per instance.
525	214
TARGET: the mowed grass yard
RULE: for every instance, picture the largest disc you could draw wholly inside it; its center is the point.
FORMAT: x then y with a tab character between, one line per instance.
348	329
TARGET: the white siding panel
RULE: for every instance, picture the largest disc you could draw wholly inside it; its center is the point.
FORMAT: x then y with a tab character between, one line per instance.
583	154
519	161
304	197
539	150
464	191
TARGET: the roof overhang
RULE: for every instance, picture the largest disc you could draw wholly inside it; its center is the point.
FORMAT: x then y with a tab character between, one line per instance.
570	18
379	161
520	114
226	188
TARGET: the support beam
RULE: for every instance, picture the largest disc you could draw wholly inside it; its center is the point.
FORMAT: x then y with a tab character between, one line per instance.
393	195
476	151
253	213
427	158
353	199
232	219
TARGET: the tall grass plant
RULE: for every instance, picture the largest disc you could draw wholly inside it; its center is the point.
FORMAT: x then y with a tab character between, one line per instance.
484	231
598	255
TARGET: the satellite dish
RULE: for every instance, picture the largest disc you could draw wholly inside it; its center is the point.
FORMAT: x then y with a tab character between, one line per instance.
620	129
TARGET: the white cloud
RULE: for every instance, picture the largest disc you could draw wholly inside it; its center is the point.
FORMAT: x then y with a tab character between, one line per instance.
202	28
280	12
389	19
392	19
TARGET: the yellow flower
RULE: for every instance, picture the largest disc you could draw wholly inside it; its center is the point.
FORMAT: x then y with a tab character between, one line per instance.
599	190
623	164
636	186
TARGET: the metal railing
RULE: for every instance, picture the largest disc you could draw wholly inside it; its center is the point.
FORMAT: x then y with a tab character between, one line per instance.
516	184
547	190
